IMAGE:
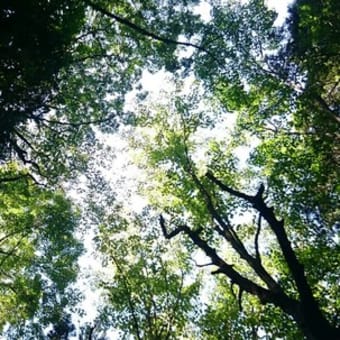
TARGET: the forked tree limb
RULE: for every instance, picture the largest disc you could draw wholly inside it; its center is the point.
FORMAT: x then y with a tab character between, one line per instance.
309	315
224	228
278	298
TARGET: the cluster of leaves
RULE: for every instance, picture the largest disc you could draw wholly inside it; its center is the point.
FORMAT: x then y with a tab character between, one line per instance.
35	45
149	293
67	65
38	255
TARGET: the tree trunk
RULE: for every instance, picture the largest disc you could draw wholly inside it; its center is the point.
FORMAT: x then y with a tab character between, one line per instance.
314	325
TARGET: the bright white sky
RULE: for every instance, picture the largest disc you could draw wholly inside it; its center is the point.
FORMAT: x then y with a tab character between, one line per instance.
281	7
153	83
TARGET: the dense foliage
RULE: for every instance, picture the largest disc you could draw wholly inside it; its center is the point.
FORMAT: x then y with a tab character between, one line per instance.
35	45
150	295
38	256
266	224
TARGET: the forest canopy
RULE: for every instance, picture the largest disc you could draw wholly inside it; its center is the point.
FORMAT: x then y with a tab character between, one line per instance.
219	216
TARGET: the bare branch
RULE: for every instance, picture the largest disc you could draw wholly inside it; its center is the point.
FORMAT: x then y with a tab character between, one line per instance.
165	233
226	188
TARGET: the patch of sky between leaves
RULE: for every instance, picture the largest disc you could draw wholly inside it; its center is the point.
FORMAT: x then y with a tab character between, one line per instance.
280	6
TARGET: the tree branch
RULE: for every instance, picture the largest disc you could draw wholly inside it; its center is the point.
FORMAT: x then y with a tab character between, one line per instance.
226	188
309	308
141	30
278	298
231	236
259	225
129	298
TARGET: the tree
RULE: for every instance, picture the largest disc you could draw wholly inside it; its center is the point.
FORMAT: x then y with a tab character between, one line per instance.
38	256
282	88
63	73
35	43
202	202
150	294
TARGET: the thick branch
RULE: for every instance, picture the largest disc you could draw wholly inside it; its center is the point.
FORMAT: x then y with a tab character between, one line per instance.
309	310
228	189
276	225
279	299
231	236
257	235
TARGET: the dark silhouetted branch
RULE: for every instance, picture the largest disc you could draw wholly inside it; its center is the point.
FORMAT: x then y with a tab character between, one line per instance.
309	309
141	30
257	235
278	298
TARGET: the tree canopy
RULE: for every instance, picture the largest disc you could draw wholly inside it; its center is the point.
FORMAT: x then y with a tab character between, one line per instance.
238	167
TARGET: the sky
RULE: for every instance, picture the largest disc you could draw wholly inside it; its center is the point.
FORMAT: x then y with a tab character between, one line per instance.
281	7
